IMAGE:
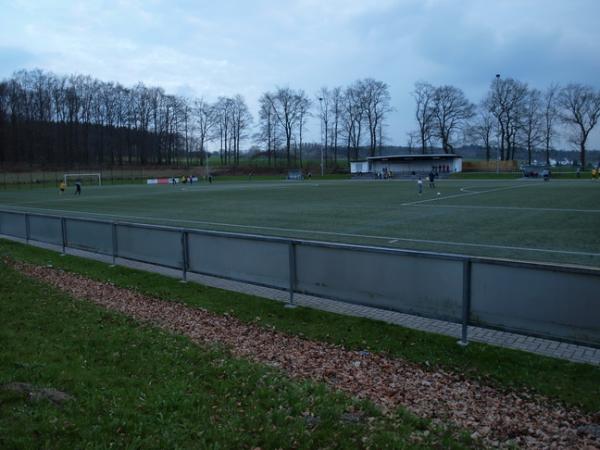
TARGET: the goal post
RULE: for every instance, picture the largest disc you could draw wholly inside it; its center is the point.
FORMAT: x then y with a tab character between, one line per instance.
85	178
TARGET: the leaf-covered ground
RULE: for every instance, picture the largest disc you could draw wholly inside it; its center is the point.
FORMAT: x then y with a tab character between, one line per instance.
498	418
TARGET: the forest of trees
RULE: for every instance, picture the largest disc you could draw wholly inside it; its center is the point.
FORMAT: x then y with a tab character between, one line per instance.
61	121
48	120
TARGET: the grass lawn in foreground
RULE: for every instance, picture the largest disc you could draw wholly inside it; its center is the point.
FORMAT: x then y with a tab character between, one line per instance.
136	386
557	221
571	383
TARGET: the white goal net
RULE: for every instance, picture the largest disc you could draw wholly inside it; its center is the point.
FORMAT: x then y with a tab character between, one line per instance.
87	179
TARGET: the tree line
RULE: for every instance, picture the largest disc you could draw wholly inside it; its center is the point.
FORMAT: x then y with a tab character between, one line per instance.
349	118
52	120
513	118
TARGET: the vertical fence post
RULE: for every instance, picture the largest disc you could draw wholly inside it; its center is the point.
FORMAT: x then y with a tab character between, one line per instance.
466	301
185	256
115	246
27	230
63	232
292	273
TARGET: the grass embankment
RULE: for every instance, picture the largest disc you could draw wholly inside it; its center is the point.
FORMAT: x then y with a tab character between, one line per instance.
135	386
571	383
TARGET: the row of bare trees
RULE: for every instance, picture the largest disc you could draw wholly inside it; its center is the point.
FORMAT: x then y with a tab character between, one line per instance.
66	120
282	122
350	118
52	120
512	118
441	112
353	117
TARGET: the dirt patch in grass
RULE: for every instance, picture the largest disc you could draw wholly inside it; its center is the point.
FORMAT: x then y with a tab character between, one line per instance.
497	418
36	394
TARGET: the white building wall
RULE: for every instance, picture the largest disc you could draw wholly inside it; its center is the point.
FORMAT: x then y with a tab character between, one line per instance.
457	165
359	167
419	167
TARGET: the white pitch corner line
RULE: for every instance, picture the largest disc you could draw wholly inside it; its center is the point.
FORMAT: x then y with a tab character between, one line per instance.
465	194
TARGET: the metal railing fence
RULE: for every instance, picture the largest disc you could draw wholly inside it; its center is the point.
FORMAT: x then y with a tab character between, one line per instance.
545	300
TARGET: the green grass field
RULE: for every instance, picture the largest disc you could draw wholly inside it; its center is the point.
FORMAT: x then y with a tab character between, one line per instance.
138	387
557	221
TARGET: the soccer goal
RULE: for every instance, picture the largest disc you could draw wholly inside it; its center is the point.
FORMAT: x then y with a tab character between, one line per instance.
88	179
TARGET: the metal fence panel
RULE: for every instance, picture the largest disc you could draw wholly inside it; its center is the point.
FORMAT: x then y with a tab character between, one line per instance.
90	236
254	261
400	282
544	300
13	224
151	245
46	229
540	301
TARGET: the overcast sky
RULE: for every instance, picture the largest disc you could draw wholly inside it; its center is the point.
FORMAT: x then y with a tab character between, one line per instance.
201	48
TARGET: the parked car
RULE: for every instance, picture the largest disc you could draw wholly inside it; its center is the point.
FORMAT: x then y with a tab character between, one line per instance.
534	171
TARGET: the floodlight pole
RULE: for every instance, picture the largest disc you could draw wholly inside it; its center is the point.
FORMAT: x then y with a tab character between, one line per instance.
322	165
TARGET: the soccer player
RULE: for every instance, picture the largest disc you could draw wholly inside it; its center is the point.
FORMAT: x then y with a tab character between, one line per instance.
78	187
61	188
420	185
431	179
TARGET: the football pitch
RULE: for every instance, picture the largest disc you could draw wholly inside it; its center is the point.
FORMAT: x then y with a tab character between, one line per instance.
555	221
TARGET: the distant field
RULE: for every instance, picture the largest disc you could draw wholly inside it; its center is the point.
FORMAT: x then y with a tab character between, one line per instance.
557	221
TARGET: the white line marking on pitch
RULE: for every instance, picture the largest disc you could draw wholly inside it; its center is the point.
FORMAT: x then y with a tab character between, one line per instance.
462	189
333	233
510	208
467	194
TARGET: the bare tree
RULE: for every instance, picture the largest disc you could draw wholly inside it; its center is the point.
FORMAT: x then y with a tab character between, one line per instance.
353	114
482	130
304	105
240	121
550	113
505	102
451	111
223	109
532	121
267	126
375	99
412	137
580	106
286	103
424	113
336	118
205	118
